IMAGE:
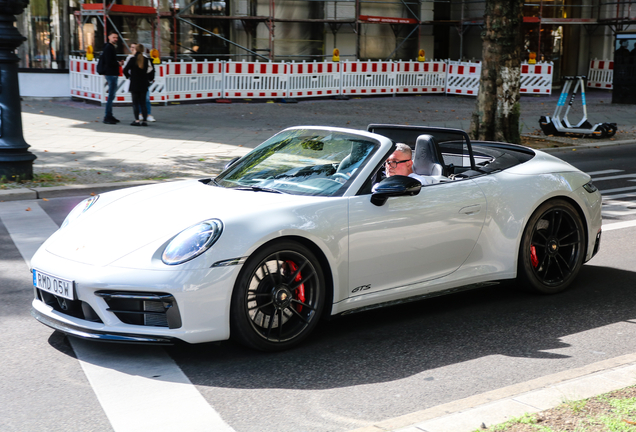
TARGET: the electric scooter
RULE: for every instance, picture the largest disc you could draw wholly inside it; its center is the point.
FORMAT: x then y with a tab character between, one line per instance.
560	125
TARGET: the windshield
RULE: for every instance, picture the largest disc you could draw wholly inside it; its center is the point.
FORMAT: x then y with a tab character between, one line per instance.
301	162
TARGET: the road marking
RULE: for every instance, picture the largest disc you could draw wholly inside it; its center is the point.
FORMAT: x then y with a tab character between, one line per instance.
622	176
619	225
610	171
617	196
621	189
28	226
139	388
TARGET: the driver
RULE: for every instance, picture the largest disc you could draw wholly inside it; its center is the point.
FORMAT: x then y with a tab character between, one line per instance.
400	163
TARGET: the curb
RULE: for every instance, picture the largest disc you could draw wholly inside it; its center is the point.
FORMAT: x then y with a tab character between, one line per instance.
72	190
474	406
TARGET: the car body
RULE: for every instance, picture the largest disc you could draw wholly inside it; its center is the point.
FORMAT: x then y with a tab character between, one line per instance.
304	226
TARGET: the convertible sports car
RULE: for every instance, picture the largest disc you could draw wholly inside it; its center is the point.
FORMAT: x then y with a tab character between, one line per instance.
306	226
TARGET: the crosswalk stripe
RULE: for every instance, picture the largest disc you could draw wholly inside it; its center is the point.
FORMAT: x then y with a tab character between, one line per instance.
618	196
621	189
139	388
609	171
616	177
28	226
619	225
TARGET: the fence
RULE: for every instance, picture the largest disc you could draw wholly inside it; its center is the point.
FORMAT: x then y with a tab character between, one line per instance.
601	74
181	81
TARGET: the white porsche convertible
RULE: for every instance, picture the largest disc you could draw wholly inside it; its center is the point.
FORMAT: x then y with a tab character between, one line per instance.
305	226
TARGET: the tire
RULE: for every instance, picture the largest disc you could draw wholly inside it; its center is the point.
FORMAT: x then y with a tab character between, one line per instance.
278	297
611	129
603	132
552	248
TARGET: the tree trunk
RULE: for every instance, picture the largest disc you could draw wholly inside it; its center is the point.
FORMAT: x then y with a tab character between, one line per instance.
496	115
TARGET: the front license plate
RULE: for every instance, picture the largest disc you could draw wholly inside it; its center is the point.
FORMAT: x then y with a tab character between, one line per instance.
54	285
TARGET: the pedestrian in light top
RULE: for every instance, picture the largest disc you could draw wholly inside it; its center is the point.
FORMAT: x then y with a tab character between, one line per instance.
140	71
109	67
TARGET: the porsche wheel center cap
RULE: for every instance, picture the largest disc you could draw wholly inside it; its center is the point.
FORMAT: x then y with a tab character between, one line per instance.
282	297
553	246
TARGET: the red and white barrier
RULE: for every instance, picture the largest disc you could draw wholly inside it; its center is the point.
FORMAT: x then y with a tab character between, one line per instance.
158	91
314	79
536	78
191	80
84	81
463	78
601	74
420	77
255	80
365	78
181	81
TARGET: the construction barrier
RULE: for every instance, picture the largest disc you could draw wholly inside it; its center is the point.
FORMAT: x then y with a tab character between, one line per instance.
601	74
181	81
191	81
463	78
85	83
314	79
420	77
364	78
255	80
536	78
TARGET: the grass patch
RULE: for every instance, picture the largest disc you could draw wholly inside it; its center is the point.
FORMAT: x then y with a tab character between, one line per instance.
38	180
610	412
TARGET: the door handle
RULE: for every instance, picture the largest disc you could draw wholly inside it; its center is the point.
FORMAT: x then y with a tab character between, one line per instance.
471	210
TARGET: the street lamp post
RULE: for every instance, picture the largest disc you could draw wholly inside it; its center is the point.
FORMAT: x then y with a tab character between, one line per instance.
16	161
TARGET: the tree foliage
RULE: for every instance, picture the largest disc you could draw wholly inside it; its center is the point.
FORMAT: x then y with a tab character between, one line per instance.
496	115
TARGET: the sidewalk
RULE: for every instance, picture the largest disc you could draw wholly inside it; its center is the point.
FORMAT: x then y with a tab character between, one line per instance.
73	146
78	154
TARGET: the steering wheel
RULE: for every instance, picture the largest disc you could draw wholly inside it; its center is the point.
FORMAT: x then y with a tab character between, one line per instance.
341	175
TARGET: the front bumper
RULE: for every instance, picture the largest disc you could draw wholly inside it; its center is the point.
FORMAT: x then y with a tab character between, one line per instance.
88	333
202	298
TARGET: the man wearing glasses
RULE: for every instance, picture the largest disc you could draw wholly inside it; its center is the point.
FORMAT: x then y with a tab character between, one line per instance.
400	163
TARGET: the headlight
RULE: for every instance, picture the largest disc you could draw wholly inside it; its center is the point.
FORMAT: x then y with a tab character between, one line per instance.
79	210
192	242
589	186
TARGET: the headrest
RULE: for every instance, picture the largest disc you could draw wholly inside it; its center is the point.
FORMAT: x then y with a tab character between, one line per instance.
424	159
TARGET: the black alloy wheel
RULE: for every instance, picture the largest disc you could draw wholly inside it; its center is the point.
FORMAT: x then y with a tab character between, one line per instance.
278	297
552	248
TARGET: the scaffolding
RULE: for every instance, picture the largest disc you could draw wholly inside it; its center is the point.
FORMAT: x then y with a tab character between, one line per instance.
253	22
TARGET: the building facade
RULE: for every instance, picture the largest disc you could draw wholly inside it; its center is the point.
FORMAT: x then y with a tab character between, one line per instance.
569	33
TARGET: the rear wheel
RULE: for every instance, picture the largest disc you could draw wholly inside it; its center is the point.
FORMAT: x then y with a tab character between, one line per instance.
552	248
278	297
611	129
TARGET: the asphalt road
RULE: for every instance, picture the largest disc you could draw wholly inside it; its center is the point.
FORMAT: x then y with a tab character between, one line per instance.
354	370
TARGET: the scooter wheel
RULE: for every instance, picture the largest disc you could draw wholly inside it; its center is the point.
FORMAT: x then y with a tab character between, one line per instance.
601	132
611	129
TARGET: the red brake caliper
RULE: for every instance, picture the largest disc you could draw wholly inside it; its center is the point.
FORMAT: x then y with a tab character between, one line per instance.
300	291
533	257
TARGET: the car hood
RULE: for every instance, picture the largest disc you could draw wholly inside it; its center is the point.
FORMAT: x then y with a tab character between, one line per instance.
123	222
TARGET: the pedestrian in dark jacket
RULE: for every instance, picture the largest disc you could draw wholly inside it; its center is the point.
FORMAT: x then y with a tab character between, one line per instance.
109	67
140	71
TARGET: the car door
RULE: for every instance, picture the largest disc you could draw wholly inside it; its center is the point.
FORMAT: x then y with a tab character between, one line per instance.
413	239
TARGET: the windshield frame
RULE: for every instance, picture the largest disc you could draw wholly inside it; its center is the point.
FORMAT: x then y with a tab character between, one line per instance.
255	163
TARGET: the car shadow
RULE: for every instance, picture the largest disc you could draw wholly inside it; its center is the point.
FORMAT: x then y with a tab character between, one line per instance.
393	343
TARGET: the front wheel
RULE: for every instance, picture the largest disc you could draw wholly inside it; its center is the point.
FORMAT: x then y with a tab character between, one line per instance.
278	297
552	248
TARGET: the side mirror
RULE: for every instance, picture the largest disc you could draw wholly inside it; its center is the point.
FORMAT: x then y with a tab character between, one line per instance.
231	162
394	186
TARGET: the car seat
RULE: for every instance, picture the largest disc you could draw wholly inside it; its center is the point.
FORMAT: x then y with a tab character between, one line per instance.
350	163
425	159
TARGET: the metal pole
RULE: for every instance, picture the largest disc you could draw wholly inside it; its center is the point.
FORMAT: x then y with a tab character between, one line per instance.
16	161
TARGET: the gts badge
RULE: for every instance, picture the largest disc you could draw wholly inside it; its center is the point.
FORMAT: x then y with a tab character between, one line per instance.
361	288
